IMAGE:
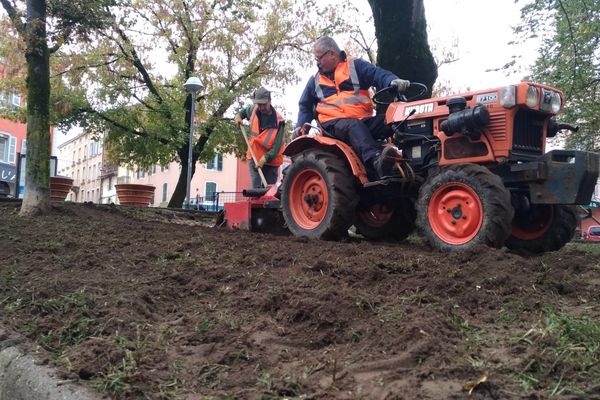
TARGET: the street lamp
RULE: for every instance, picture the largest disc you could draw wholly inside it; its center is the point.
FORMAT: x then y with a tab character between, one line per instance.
192	85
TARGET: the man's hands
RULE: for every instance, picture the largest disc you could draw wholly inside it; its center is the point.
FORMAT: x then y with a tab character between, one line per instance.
237	119
260	163
400	84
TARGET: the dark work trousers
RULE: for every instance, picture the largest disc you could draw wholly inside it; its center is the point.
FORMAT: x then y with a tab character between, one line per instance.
361	134
270	172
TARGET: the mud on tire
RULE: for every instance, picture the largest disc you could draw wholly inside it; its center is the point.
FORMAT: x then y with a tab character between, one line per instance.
542	228
318	196
462	206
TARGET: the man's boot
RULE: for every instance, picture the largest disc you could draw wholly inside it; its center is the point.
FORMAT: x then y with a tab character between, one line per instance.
384	163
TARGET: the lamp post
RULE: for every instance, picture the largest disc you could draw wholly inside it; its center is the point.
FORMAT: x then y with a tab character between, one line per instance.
192	85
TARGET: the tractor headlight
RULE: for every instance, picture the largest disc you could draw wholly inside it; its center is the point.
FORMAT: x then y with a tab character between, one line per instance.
508	97
550	101
532	97
556	103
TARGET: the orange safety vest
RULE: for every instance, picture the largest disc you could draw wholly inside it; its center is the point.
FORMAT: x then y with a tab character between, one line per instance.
342	97
262	142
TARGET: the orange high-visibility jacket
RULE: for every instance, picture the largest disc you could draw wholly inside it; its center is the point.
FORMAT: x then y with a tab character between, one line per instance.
262	141
343	97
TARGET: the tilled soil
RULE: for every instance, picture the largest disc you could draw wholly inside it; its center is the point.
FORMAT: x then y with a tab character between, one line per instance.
156	304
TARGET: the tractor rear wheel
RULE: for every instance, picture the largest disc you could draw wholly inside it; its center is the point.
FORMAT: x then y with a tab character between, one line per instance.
542	227
318	196
386	221
463	206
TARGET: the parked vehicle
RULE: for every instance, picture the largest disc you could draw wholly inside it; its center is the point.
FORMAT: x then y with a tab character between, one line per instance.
592	234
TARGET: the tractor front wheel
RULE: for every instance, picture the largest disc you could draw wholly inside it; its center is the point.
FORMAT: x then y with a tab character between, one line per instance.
318	196
463	206
539	228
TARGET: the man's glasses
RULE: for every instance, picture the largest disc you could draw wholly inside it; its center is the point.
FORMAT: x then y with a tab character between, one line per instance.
318	58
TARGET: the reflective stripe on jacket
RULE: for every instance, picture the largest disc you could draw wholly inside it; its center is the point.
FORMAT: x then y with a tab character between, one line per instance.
343	97
262	141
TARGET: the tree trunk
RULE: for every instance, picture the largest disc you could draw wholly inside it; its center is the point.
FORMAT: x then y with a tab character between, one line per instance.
401	31
37	187
179	193
178	196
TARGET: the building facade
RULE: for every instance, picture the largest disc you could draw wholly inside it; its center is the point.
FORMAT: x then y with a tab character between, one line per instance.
83	159
80	158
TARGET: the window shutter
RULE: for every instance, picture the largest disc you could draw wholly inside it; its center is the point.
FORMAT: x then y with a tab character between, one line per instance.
12	150
219	162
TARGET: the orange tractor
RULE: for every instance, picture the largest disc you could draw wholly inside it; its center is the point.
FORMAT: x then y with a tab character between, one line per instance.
471	169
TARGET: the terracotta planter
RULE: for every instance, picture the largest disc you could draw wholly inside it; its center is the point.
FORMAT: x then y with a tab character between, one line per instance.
133	194
60	187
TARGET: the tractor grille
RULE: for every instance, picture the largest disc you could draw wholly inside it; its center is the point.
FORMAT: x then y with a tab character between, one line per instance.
528	132
497	126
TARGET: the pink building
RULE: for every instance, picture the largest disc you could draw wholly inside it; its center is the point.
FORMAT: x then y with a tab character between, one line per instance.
224	176
13	141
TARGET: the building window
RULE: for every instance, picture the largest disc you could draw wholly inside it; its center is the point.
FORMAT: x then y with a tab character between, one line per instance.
141	173
210	188
164	194
8	148
216	163
164	168
110	183
15	100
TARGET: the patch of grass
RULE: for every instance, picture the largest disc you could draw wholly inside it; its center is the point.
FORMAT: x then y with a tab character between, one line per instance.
565	354
510	312
233	320
203	326
71	334
7	277
168	256
355	336
75	309
391	313
588	248
116	380
366	305
471	333
209	375
81	300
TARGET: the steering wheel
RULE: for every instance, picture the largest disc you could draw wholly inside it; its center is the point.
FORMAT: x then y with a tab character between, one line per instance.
378	97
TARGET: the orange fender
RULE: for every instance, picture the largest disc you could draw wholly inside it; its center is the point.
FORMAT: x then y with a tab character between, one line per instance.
302	143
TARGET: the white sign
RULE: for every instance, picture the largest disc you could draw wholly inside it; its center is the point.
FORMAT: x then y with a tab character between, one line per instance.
419	109
487	98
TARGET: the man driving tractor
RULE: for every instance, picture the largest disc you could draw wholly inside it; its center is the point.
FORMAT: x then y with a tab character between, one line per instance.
338	97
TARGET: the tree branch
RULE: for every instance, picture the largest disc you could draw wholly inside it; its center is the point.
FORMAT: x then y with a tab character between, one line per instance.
14	15
574	44
137	63
86	67
127	129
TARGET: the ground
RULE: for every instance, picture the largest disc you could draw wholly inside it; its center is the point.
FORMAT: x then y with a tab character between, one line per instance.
151	304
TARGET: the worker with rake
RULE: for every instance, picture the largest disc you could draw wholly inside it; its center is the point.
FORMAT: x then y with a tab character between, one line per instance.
265	144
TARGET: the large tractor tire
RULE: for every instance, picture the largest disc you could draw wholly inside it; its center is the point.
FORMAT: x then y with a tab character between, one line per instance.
318	196
386	222
542	227
463	206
